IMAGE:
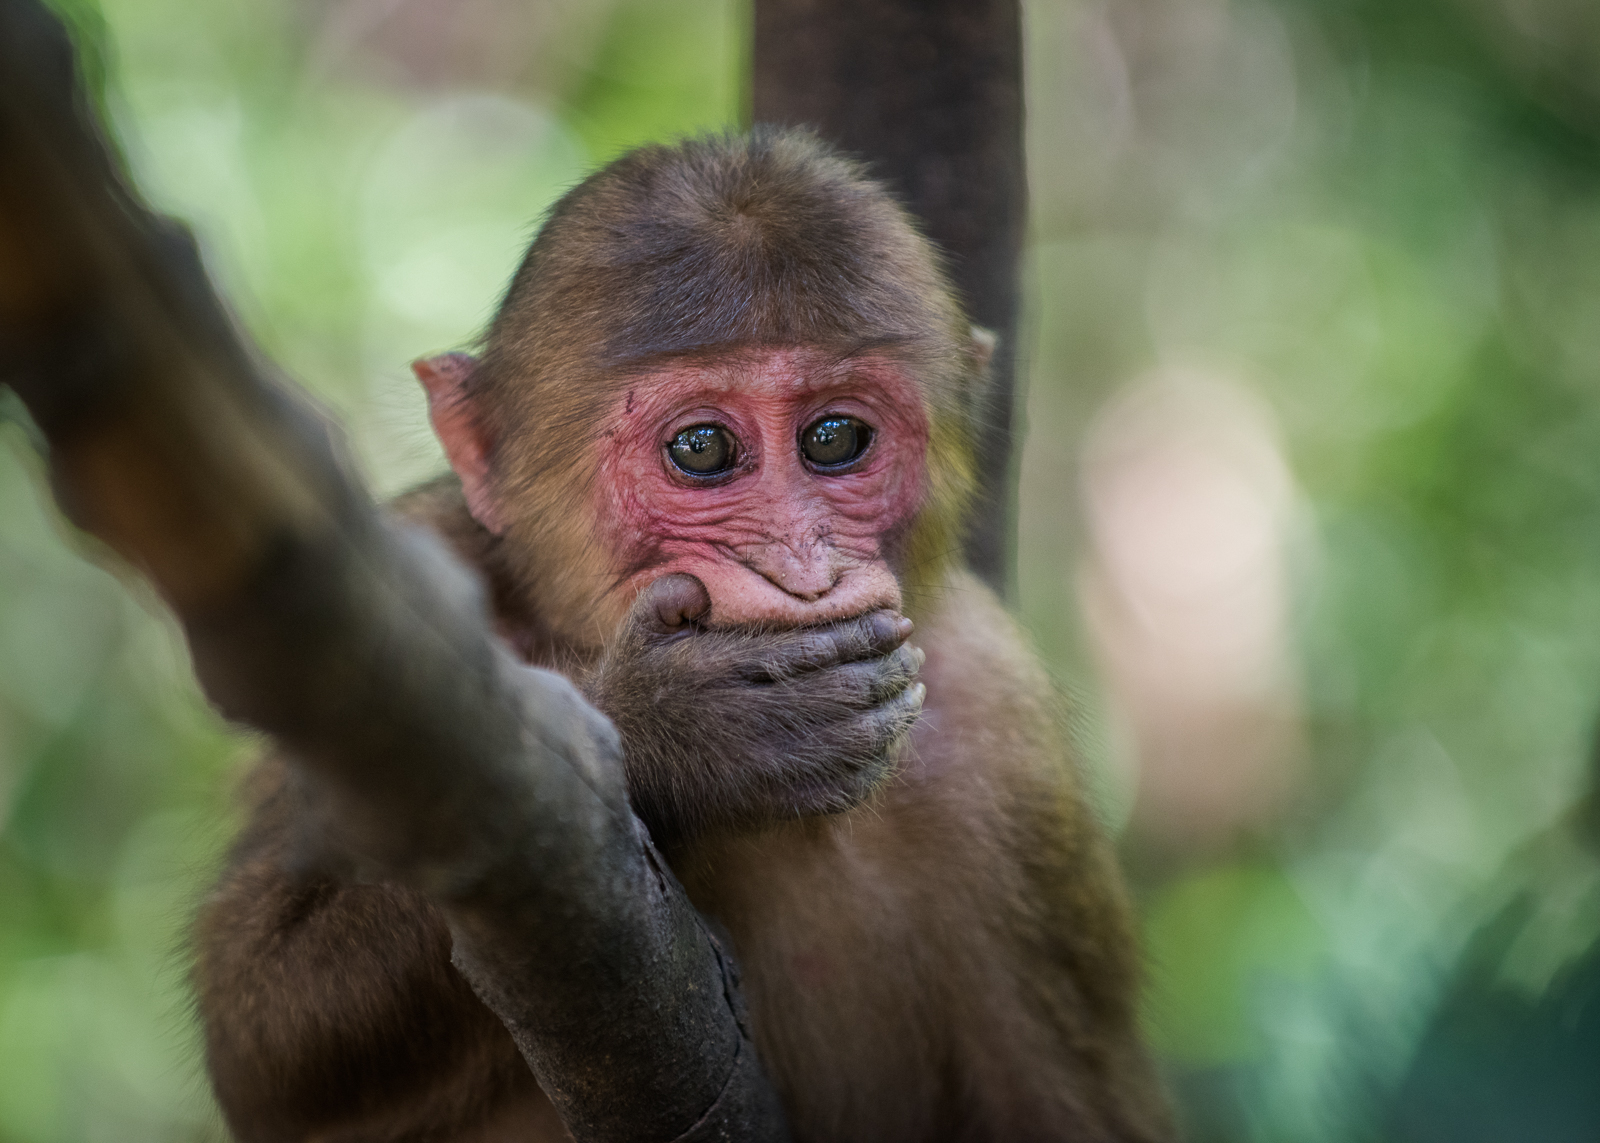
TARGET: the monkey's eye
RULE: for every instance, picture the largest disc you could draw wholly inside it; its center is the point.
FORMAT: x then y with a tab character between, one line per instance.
835	441
703	450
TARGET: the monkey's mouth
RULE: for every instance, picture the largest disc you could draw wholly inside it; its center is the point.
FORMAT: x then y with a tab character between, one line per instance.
742	598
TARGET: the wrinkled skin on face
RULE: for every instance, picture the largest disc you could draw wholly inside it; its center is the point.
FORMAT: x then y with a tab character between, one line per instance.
758	669
777	540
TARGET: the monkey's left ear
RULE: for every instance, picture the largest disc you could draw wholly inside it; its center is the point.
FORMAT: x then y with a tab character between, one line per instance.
980	351
981	348
466	442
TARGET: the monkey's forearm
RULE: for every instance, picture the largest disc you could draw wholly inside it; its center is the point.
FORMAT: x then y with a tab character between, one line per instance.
510	813
312	618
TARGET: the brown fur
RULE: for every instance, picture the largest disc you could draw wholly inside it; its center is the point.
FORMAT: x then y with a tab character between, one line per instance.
332	1010
951	960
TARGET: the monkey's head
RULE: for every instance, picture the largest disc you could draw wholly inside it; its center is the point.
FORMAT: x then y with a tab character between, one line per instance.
733	357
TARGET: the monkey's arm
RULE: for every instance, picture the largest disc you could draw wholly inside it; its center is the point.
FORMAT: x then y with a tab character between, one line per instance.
362	649
742	729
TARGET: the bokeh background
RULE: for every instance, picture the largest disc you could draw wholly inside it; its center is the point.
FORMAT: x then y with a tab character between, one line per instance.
1310	506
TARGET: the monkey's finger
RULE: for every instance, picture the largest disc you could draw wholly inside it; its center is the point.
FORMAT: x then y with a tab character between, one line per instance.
858	685
892	720
860	744
866	745
895	672
670	604
815	648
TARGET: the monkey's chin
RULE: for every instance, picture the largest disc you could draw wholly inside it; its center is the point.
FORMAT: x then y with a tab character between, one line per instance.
741	597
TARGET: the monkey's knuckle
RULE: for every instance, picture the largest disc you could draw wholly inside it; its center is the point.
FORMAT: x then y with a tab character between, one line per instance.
855	684
824	647
889	683
893	721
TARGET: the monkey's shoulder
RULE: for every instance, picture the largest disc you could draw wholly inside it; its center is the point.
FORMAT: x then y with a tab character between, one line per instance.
440	506
990	700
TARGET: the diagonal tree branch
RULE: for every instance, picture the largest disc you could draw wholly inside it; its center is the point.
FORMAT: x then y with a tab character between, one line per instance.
361	646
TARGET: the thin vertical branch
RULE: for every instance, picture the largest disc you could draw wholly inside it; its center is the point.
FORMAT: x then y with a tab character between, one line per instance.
930	93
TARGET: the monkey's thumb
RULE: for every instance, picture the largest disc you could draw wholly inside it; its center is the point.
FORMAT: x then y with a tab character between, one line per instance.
671	603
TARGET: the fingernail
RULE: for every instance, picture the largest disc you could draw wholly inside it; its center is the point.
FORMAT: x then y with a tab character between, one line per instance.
903	627
886	627
922	656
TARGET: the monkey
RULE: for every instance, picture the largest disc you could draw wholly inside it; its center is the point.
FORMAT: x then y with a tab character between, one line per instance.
711	462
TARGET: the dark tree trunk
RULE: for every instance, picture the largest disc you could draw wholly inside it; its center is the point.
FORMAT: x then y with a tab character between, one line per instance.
361	647
930	93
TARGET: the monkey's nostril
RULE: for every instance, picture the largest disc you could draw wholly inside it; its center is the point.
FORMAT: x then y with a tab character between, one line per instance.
807	575
810	593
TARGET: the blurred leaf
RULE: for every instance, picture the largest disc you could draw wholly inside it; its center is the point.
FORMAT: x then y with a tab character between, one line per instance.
1217	941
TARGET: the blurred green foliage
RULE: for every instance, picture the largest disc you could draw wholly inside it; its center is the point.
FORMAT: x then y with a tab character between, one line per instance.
1383	216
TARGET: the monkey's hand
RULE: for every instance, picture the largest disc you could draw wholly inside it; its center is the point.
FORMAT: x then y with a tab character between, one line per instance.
747	728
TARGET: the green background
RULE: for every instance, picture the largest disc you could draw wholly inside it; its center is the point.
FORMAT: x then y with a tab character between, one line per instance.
1381	217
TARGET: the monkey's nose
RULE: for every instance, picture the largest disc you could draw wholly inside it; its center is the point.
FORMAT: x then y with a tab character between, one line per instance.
808	573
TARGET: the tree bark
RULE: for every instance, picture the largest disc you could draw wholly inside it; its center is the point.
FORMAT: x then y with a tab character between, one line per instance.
929	92
361	646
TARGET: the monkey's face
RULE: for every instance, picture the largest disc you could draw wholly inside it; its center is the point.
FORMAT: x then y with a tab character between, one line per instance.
779	478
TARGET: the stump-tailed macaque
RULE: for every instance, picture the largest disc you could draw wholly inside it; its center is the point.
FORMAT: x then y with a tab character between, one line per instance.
712	462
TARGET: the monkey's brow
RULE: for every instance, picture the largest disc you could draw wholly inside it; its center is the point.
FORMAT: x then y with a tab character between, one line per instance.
880	344
734	353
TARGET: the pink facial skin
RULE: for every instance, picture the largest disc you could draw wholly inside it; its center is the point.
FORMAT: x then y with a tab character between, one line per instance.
776	541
